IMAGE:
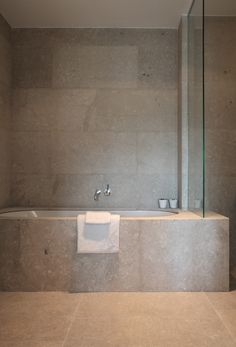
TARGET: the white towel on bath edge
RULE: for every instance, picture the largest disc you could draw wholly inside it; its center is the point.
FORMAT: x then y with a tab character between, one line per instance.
98	238
98	217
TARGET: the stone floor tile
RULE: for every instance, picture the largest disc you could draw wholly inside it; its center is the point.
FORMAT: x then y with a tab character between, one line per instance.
223	300
134	304
117	320
229	319
185	332
25	316
31	343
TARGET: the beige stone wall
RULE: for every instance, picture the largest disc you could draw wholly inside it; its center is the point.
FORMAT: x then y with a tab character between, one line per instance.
5	94
220	77
92	107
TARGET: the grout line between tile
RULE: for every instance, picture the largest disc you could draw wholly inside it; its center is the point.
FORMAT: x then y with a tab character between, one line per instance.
73	317
221	318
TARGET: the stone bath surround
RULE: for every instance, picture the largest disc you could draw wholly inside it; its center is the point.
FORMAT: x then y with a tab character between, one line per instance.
181	252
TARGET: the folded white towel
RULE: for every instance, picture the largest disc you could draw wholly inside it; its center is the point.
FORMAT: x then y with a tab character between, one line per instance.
98	218
98	238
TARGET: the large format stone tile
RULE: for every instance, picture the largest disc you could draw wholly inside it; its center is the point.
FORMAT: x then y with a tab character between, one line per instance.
4	189
32	343
219	62
111	319
128	277
207	332
94	272
32	190
148	319
5	106
56	237
73	190
5	60
157	153
110	272
72	108
46	254
99	153
220	29
223	301
32	109
150	188
220	156
226	187
4	151
40	256
45	109
32	67
94	36
158	66
116	331
225	306
220	105
46	272
229	317
9	255
35	316
31	152
134	110
78	66
78	191
95	305
128	191
5	111
170	262
124	191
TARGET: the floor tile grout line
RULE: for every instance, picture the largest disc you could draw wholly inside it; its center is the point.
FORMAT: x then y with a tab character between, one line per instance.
73	317
221	318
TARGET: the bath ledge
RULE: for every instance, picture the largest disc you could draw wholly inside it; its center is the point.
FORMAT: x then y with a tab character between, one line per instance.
126	214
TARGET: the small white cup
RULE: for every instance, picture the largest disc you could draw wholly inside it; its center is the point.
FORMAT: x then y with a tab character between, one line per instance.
173	203
163	203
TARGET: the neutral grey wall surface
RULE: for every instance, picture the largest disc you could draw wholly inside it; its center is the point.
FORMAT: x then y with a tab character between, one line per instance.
5	95
91	107
220	77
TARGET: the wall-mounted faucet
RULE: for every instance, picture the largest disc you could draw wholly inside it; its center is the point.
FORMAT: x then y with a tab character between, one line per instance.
107	191
97	194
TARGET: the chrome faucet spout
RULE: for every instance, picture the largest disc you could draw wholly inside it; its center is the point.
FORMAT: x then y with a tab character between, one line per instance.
97	194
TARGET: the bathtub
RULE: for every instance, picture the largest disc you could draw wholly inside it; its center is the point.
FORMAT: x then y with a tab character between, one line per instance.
61	214
159	251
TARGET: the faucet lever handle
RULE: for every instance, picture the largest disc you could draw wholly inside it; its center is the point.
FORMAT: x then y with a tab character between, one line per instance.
107	191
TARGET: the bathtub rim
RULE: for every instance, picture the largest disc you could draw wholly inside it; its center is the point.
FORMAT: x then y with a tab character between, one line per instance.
173	212
177	214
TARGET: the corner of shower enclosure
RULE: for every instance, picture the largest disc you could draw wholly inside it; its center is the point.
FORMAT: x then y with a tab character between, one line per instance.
196	110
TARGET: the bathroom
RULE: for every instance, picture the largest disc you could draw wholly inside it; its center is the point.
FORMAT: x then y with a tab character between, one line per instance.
118	118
